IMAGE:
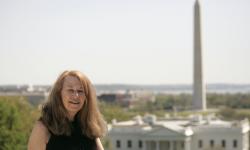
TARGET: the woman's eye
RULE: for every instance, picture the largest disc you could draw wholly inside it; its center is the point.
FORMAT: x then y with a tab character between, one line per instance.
70	90
80	91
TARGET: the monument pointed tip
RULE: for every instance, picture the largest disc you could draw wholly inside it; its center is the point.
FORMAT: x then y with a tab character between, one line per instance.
197	2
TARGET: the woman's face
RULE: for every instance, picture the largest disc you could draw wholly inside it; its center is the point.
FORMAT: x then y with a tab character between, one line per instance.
73	95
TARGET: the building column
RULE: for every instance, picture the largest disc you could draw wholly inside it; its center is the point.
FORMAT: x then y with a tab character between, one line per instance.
170	144
144	145
173	144
157	145
187	144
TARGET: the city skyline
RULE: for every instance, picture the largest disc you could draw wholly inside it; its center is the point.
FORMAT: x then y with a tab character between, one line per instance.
132	42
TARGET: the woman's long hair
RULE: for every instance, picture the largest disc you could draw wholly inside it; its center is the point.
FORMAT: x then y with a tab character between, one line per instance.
54	114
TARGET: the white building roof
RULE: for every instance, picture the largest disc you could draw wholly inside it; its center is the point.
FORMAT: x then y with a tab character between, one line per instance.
185	127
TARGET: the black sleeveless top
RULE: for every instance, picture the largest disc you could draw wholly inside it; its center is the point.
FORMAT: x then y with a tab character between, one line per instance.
76	141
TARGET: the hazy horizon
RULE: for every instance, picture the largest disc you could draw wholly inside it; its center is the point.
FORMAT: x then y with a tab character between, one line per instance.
129	42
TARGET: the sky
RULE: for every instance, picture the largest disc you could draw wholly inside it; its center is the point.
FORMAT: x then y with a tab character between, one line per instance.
125	42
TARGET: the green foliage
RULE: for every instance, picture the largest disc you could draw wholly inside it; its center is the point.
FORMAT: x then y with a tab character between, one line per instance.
173	102
16	121
234	114
110	112
180	104
183	102
238	100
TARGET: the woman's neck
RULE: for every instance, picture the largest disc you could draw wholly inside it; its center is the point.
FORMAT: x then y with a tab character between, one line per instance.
71	117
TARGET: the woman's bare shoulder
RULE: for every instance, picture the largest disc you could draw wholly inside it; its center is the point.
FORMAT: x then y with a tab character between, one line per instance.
99	144
39	136
39	124
40	128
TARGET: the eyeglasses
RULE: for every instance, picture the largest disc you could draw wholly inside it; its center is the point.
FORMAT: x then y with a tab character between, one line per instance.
73	92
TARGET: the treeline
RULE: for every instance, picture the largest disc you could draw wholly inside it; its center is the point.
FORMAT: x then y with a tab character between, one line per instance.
238	100
214	100
229	106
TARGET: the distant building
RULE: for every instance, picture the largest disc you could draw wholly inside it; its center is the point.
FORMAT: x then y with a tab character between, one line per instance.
144	95
6	89
13	88
197	133
128	98
108	98
123	99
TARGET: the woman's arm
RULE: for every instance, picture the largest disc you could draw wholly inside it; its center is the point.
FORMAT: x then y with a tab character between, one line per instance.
99	144
39	137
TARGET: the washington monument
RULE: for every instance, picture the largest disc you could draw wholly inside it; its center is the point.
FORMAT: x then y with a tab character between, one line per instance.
199	97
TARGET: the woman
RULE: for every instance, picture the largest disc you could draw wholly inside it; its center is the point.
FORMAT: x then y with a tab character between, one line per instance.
70	119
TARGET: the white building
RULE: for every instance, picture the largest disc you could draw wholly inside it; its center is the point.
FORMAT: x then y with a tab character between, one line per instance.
196	133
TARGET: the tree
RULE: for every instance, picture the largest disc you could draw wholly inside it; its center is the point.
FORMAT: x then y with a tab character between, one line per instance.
16	121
